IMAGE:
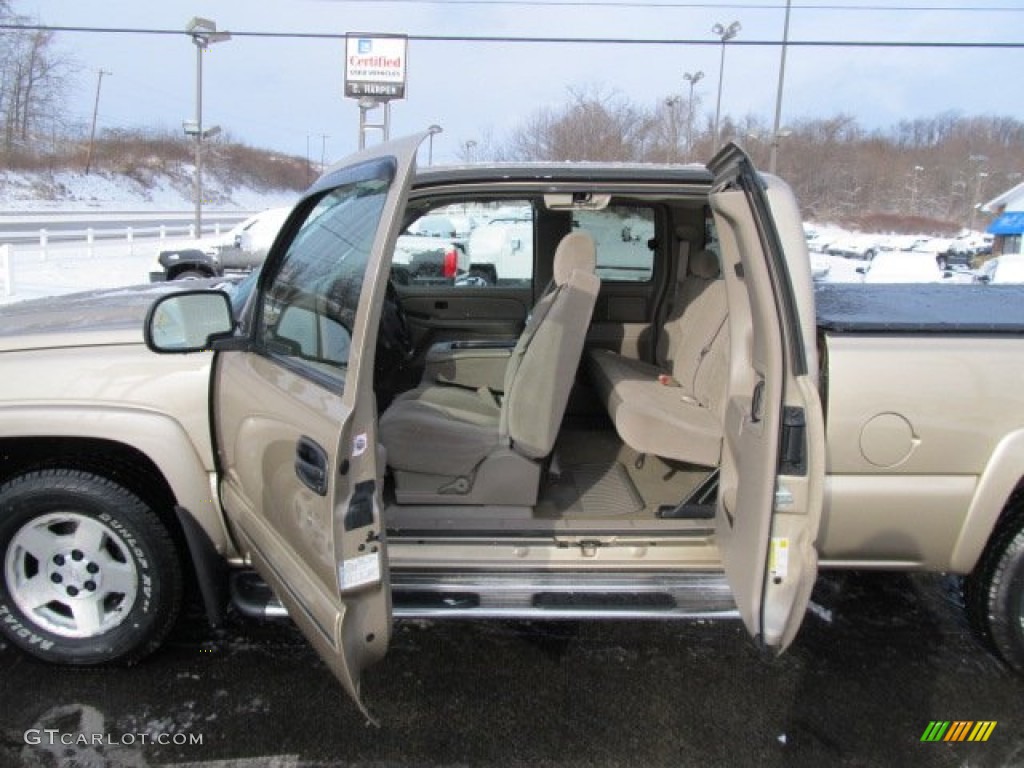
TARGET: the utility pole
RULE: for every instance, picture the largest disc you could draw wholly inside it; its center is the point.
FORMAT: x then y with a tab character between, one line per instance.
774	158
323	152
95	111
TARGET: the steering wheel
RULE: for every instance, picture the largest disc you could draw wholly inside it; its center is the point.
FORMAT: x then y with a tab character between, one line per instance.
393	371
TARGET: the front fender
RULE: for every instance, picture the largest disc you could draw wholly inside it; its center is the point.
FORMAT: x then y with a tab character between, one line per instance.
158	436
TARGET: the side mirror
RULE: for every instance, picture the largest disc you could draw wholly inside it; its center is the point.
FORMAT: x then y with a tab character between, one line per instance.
188	321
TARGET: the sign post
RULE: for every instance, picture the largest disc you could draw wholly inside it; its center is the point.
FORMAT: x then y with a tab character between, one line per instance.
375	74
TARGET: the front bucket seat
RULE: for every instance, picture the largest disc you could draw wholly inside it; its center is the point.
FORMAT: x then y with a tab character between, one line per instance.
450	445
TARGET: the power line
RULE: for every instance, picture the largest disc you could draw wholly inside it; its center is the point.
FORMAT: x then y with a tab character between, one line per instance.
509	39
715	6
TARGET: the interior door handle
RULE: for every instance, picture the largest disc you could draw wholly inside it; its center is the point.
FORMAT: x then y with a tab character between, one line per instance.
757	402
311	465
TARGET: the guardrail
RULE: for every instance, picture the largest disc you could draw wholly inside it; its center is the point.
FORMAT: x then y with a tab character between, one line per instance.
5	270
45	237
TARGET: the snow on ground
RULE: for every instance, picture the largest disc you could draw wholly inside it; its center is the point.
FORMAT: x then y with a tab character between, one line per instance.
69	190
69	268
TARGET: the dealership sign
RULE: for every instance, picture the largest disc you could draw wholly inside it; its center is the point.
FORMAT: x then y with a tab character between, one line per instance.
375	66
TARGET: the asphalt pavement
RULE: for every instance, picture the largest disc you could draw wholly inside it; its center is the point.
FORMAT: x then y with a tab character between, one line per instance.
880	657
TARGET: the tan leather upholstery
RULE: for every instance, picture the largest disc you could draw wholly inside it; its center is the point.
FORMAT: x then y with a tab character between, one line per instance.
449	433
674	409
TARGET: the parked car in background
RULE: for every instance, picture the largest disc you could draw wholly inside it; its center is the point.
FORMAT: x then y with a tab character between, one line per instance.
854	247
502	249
1008	268
904	267
428	259
238	251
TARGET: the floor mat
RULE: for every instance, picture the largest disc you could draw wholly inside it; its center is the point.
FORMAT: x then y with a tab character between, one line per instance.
592	491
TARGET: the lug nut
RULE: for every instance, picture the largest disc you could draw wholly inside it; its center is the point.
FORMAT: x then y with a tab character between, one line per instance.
90	585
56	578
76	555
58	559
92	568
72	591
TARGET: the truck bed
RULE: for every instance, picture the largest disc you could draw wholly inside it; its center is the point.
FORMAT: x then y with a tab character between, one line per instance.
920	309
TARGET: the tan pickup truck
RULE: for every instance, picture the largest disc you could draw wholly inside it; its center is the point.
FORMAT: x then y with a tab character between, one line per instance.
661	420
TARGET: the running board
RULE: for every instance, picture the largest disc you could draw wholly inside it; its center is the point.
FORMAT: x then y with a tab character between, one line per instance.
696	595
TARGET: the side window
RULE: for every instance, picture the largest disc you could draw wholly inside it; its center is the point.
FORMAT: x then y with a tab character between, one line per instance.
469	244
622	234
309	309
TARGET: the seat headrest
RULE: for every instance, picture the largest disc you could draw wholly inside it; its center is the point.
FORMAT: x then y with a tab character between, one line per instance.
704	264
575	251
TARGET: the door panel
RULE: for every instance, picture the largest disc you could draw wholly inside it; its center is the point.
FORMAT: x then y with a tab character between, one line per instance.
295	414
452	313
770	500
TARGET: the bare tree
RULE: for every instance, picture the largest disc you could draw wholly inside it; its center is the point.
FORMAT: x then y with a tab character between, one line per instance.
33	76
593	125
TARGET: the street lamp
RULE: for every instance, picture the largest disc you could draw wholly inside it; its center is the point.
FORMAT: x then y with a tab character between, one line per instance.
982	175
692	78
671	103
980	161
727	34
432	130
913	188
204	33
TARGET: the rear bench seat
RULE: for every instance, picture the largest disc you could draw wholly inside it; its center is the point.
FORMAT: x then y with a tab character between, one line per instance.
674	409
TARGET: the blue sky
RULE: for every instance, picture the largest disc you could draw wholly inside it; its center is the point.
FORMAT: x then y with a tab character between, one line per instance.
285	93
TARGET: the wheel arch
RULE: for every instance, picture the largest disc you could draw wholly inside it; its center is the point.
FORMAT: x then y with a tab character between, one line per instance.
999	484
171	480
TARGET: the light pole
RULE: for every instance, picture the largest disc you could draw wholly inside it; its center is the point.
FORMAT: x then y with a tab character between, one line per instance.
982	175
913	188
671	103
979	174
774	157
470	146
95	110
433	129
692	78
204	33
727	34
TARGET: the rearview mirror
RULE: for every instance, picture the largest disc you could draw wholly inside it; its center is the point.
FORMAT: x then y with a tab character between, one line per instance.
188	321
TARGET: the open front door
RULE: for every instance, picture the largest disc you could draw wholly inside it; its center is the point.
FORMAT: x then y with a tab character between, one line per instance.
295	413
773	454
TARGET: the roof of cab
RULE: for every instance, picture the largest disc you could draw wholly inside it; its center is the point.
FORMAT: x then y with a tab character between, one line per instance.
562	173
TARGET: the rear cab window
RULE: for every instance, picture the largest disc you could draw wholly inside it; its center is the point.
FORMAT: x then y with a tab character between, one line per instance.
624	237
472	243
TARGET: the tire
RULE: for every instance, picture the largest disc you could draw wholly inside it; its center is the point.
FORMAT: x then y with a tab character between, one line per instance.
994	591
90	573
488	274
191	274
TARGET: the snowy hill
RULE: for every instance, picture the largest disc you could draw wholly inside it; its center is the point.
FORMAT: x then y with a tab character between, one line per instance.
151	191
